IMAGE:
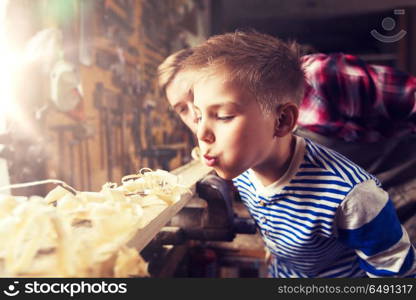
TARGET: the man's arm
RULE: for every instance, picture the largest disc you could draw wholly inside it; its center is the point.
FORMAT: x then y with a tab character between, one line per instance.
348	99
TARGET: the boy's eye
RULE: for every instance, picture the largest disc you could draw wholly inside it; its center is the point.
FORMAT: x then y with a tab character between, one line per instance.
225	118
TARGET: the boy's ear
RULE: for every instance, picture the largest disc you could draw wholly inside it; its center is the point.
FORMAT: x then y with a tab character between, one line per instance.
286	119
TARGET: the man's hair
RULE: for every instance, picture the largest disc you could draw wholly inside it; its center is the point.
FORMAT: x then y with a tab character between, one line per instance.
268	67
171	66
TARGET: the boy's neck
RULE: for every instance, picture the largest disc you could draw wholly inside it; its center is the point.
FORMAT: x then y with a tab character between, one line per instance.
274	168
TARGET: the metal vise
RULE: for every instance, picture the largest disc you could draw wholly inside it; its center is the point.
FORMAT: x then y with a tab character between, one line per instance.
214	221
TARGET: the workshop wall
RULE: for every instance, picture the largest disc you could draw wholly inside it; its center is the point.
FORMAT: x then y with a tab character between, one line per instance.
128	124
121	121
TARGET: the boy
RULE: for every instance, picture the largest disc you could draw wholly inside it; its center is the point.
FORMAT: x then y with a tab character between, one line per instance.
319	214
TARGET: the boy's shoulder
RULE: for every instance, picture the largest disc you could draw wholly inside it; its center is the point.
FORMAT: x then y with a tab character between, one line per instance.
313	167
330	162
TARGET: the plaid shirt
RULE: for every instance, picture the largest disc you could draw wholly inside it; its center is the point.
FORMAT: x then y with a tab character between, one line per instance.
346	98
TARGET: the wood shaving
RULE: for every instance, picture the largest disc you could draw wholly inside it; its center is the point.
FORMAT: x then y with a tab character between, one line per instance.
70	233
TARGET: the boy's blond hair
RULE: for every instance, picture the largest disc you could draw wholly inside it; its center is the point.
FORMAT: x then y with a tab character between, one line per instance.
268	67
171	66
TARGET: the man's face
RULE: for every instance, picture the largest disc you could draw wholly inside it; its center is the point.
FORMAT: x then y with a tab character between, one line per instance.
181	99
233	133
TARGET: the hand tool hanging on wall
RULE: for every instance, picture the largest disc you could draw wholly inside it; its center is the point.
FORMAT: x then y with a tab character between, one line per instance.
105	129
97	95
157	154
118	30
88	163
80	135
148	107
128	7
136	134
65	166
109	105
105	59
124	75
114	19
155	26
109	140
71	163
125	104
116	125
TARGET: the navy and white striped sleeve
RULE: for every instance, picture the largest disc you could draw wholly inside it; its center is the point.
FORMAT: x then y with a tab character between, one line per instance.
367	222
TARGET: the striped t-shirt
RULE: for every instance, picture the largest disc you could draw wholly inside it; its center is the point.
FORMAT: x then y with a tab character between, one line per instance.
327	217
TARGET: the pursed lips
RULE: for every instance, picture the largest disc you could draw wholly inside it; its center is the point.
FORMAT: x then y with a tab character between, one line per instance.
210	160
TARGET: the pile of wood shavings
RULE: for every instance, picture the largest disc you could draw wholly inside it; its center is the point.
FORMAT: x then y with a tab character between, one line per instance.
82	234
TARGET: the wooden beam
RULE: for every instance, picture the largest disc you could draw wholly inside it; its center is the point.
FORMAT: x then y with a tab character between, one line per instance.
159	216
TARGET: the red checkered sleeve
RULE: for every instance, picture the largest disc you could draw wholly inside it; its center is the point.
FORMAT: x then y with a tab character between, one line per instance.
346	98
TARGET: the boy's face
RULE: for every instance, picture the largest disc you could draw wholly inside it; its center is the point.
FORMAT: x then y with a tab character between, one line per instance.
181	100
233	133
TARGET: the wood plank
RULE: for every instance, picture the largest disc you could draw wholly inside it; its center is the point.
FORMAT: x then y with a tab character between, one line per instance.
159	216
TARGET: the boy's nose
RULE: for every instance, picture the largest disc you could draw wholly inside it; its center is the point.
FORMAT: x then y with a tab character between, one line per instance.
204	133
